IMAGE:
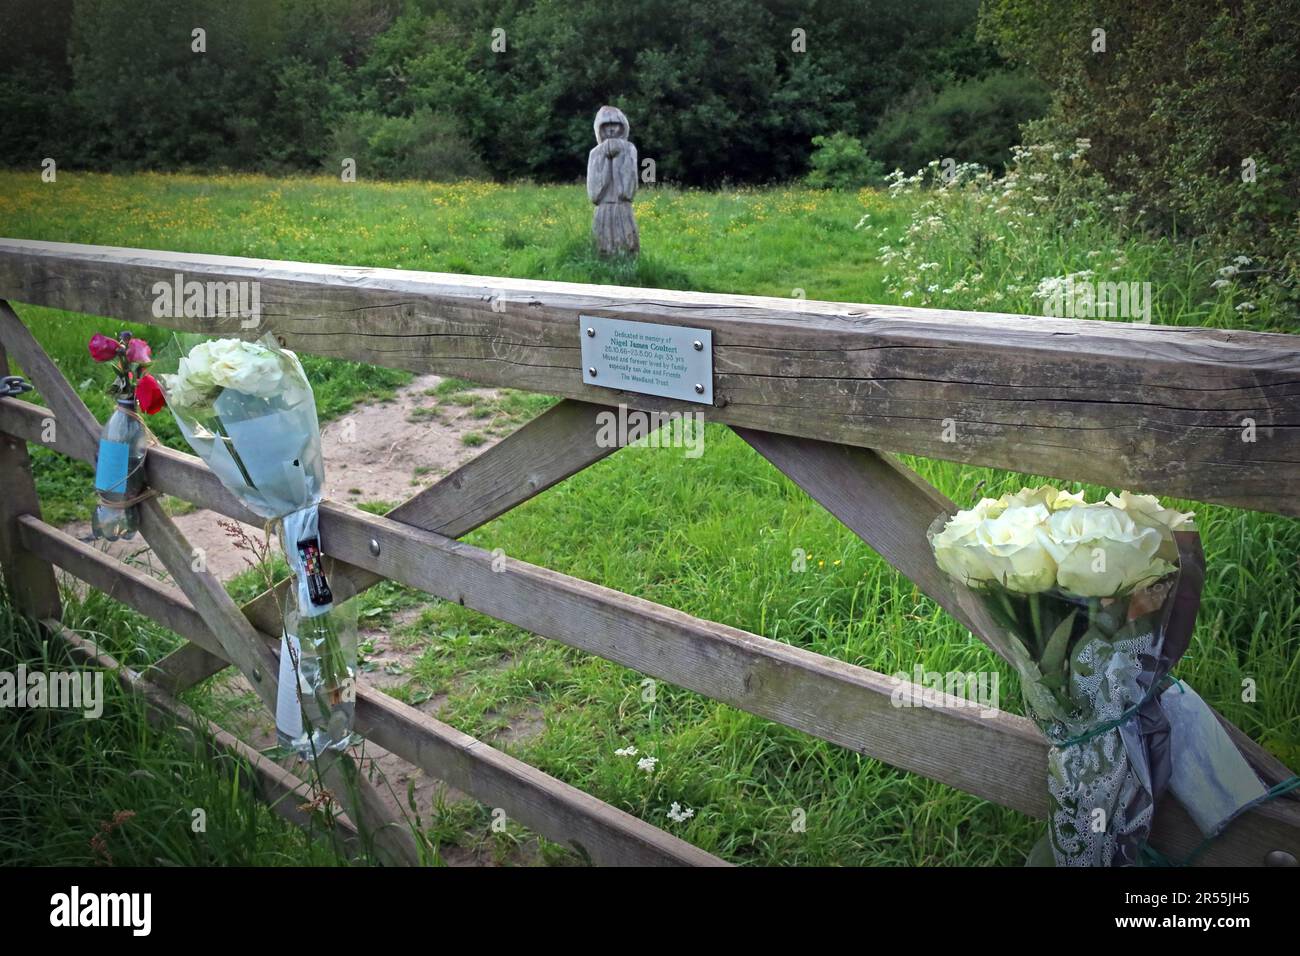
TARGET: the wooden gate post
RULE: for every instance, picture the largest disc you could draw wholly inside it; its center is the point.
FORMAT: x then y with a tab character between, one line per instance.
31	583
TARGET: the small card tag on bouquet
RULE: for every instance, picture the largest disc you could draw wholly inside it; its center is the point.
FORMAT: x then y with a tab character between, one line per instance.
302	549
318	589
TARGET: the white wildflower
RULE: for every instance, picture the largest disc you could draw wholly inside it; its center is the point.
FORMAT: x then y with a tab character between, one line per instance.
678	815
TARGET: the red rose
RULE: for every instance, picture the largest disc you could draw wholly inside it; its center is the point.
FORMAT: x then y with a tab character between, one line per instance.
148	395
102	348
137	350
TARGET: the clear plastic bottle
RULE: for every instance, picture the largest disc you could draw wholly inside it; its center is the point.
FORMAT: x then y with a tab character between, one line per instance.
291	731
329	698
118	473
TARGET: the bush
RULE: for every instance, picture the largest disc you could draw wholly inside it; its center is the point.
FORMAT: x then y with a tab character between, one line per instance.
424	145
1009	243
839	161
972	122
1178	102
728	94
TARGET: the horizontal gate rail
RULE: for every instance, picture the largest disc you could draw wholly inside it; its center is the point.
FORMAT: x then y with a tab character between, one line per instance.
1149	408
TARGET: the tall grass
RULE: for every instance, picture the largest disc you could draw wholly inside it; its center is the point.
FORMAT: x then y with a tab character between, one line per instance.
117	789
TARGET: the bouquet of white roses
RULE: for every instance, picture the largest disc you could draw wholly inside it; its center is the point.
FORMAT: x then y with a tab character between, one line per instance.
247	409
1096	603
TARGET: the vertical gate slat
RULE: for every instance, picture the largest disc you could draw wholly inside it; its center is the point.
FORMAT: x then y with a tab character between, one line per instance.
30	581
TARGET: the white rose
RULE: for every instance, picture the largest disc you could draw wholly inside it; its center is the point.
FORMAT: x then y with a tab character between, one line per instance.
191	386
223	358
195	369
957	552
1147	512
1042	495
987	508
1048	495
1100	551
246	367
179	395
1015	551
1065	499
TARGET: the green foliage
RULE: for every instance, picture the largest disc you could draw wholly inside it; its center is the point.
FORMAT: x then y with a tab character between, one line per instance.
981	242
839	161
424	145
1182	96
119	84
719	95
975	121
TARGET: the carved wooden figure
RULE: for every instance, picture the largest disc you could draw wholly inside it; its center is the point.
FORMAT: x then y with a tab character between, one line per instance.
611	184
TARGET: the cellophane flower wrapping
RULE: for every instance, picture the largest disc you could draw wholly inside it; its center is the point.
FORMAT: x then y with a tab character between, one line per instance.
1084	664
247	409
1093	604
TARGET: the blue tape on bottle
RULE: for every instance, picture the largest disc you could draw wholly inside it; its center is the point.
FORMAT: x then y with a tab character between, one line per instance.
111	466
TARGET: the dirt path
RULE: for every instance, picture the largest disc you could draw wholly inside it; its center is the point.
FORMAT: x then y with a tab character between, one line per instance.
383	452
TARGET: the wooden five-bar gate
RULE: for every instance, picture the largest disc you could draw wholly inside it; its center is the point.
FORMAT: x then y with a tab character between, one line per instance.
825	391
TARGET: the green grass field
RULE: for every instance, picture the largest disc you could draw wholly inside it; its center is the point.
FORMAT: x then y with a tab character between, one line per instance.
714	536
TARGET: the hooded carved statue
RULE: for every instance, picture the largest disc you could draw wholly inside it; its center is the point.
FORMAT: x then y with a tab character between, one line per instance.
611	184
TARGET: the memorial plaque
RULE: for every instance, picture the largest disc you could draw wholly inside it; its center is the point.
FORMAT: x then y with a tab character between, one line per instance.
666	360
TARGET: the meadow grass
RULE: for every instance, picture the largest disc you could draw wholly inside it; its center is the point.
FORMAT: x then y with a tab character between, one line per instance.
715	536
119	789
